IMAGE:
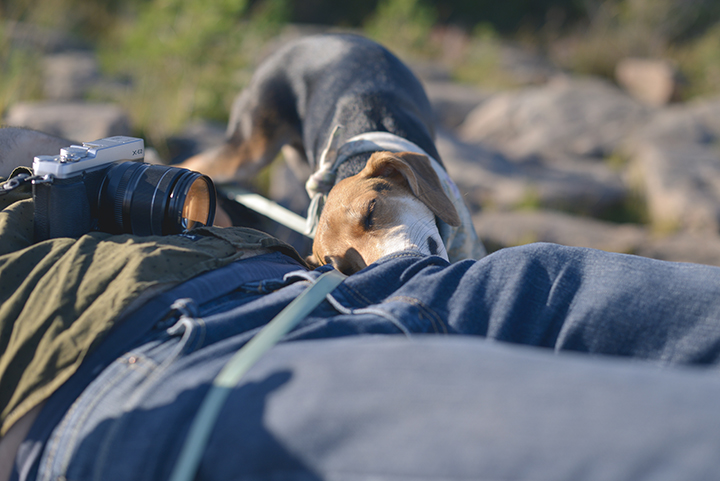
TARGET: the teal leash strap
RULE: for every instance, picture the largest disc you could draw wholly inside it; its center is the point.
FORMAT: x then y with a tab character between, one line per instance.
199	434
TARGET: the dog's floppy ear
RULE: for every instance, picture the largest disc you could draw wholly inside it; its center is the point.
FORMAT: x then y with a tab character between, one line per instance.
421	178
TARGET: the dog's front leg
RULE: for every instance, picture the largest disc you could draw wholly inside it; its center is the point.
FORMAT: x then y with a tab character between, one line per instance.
259	127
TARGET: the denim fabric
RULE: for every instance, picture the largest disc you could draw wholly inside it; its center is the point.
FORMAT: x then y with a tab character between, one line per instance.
441	407
144	325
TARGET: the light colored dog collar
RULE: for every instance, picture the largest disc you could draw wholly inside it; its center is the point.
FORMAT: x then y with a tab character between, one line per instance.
460	242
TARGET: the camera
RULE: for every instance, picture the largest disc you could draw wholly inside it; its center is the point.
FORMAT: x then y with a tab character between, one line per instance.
105	185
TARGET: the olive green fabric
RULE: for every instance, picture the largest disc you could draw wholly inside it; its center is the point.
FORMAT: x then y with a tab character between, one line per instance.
23	192
61	296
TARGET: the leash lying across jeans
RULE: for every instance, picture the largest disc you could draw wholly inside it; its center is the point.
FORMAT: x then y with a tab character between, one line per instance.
201	428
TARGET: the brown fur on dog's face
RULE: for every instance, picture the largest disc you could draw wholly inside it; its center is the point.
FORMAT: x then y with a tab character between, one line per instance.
388	207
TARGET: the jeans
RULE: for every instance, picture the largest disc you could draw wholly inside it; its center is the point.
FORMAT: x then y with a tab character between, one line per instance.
360	389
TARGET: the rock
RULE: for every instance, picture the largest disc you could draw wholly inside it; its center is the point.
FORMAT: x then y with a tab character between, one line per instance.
505	229
526	67
35	37
694	122
451	41
20	146
654	81
452	102
81	122
197	136
429	71
488	178
70	75
566	117
681	182
683	247
676	164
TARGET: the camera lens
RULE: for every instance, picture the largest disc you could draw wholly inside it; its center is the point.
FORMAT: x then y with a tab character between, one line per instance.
196	208
146	199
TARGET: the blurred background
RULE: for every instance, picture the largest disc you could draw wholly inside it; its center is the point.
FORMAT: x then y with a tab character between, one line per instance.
582	122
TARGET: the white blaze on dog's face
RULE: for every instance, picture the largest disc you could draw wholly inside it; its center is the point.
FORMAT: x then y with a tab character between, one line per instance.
390	206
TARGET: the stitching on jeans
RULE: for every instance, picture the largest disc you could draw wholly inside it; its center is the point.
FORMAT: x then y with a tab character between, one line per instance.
374	309
187	338
404	254
69	416
387	315
352	292
434	317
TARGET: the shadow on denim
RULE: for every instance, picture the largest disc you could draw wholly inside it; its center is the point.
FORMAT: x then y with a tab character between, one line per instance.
143	443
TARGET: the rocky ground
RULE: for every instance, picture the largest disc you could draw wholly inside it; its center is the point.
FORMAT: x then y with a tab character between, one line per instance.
575	161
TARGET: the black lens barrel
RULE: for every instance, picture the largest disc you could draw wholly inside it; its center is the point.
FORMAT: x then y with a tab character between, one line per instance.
147	199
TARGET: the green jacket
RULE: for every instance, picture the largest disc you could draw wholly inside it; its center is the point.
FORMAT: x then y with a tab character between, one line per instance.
58	298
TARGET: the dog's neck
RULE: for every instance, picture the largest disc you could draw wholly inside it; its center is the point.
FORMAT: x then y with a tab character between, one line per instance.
352	165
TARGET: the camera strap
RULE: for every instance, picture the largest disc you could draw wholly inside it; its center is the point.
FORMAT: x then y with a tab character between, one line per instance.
23	179
231	374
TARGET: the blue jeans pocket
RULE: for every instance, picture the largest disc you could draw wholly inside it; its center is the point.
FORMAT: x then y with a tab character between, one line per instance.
92	418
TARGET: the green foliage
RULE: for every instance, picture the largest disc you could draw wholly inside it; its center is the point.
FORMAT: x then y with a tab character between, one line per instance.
21	77
616	29
530	201
481	63
699	60
90	19
404	26
182	57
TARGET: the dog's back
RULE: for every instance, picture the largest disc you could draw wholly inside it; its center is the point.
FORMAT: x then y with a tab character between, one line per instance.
322	81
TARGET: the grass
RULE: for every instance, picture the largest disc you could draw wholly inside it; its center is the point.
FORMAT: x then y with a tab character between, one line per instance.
21	68
405	26
481	63
185	59
178	60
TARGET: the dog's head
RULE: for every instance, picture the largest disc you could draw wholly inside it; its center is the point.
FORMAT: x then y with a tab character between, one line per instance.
388	207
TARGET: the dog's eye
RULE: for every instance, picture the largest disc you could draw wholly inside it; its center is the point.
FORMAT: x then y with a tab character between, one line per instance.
368	219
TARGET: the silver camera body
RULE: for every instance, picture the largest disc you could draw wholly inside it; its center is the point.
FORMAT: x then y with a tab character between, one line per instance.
90	155
104	185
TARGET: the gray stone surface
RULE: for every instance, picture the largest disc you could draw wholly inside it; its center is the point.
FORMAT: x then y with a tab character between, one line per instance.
506	229
693	122
683	247
452	102
82	122
197	136
541	145
524	66
654	81
70	75
27	35
489	179
681	182
566	117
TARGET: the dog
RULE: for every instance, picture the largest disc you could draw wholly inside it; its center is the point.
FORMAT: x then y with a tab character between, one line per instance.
352	112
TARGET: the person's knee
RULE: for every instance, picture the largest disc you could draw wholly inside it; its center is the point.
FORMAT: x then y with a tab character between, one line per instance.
532	253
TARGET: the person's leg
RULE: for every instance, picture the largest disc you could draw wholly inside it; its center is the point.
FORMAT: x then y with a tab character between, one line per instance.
432	405
599	302
389	408
548	295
